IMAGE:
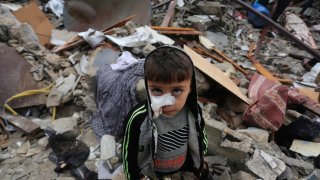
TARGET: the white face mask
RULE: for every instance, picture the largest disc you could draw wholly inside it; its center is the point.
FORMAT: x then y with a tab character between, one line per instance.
157	102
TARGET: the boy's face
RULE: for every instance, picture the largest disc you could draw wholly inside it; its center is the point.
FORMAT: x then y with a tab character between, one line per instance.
180	90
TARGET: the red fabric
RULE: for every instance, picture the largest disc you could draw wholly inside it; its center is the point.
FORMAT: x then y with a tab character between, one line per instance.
269	104
270	100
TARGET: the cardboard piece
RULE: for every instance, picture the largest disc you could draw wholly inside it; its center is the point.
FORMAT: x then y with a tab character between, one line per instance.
32	15
215	73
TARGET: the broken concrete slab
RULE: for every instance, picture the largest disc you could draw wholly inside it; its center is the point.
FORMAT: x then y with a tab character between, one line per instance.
265	165
108	147
211	8
241	175
216	131
23	149
259	135
308	149
65	124
220	39
297	26
53	59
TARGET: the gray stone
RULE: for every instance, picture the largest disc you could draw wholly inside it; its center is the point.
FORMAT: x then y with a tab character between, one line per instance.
89	138
43	143
54	98
65	64
235	104
33	151
130	26
217	131
89	103
315	175
77	92
20	49
136	50
69	70
41	122
24	148
65	178
30	58
7	21
108	147
202	83
235	140
121	32
259	135
141	92
210	111
25	34
65	124
212	8
265	165
219	39
54	59
147	49
287	174
244	91
244	83
241	175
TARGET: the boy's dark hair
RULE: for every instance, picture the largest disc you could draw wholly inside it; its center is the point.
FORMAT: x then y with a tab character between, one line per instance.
167	65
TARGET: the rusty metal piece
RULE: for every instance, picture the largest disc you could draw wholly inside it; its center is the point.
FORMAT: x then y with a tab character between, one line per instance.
281	30
176	31
16	78
79	15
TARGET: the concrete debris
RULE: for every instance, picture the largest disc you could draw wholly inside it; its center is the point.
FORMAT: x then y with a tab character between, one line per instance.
24	148
65	124
215	34
265	165
259	135
299	28
108	147
308	149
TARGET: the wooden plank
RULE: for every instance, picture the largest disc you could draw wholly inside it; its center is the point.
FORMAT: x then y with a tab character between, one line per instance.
158	28
195	33
215	73
170	14
22	123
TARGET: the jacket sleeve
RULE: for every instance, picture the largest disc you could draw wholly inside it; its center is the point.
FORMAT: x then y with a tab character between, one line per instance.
131	142
204	133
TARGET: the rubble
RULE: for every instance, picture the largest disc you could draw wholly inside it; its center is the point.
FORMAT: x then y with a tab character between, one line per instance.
218	37
266	166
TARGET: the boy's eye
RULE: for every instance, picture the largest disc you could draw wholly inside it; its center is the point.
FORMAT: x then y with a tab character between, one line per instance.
176	92
156	92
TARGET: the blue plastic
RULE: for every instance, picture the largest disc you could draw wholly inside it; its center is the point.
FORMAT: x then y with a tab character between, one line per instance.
255	20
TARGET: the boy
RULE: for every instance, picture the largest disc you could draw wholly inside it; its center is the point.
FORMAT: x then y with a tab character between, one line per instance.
165	135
